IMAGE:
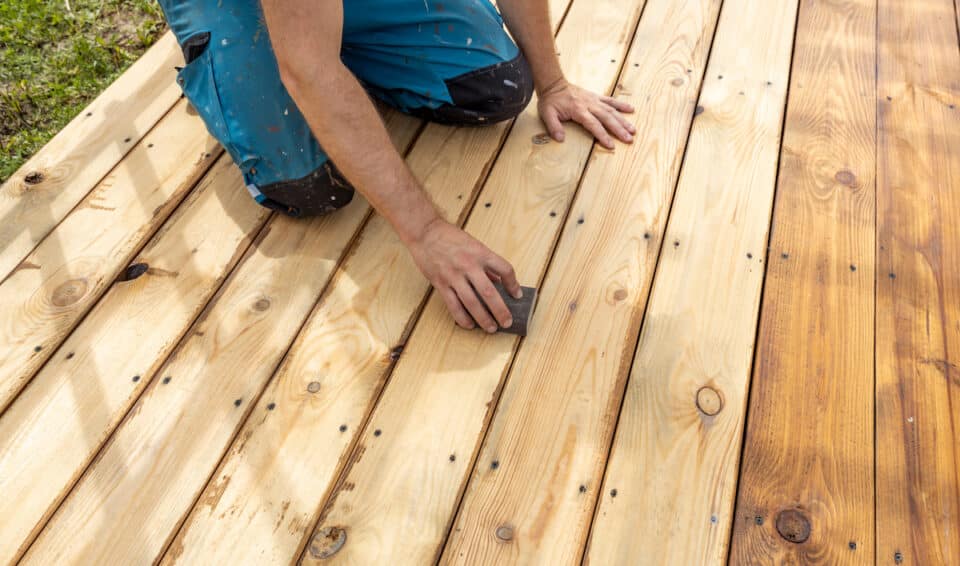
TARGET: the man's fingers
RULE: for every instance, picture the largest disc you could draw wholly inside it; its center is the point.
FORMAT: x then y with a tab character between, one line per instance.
507	276
552	121
484	287
620	105
456	309
620	117
469	299
610	121
590	122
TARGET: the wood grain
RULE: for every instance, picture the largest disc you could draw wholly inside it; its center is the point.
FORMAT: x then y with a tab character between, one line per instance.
69	271
55	428
918	285
131	500
266	495
556	418
806	486
48	186
397	498
263	498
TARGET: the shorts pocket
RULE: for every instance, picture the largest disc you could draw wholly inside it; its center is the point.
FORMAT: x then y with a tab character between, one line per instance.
197	81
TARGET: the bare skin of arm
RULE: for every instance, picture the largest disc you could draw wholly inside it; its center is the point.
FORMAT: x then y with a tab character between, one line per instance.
306	37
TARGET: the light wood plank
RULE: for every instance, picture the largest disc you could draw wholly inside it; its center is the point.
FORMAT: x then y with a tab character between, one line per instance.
261	500
267	492
918	285
56	427
48	186
64	276
806	486
133	497
397	498
553	428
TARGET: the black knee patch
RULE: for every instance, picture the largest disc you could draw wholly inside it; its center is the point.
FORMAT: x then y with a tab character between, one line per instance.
487	95
321	192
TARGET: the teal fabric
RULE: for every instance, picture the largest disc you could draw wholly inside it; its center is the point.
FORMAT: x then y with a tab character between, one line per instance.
402	51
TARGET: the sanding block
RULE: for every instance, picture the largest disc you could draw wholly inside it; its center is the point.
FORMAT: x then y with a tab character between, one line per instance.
520	309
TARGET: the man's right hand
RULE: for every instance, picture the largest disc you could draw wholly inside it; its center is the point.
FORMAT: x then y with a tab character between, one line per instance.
463	271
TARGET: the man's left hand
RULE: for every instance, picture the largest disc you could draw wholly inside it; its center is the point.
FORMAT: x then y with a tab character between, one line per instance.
600	115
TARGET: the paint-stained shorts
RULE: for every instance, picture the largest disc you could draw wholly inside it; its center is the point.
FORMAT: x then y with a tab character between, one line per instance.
449	61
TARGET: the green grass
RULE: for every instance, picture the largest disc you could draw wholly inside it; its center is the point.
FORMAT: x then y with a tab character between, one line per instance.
54	60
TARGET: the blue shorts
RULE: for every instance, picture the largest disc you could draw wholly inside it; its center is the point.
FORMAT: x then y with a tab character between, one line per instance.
449	61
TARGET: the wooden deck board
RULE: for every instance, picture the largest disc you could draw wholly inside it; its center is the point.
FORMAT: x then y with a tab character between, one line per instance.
808	451
441	362
918	284
99	467
51	290
159	459
48	186
63	418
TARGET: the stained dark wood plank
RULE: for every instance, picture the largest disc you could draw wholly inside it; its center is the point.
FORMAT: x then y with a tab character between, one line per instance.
806	488
918	284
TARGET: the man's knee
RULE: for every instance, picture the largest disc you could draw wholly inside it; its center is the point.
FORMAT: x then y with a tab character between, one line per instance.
487	95
321	192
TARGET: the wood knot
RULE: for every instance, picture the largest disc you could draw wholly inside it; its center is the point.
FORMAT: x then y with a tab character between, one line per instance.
261	305
793	525
541	139
619	295
677	82
709	401
33	178
313	386
505	533
327	541
133	271
69	292
846	177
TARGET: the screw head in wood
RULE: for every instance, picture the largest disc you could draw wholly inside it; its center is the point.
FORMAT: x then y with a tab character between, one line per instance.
793	525
709	401
134	271
505	533
327	541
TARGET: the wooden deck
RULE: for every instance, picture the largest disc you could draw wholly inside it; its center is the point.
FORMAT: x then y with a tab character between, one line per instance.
747	347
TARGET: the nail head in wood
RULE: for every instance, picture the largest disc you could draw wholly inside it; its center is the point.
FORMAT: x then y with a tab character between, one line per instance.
134	271
505	533
793	525
313	386
327	541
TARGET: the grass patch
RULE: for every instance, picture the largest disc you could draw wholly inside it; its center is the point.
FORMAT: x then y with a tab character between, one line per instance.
58	55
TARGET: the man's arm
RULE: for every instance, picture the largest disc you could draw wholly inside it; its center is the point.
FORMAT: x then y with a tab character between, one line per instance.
306	37
529	22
